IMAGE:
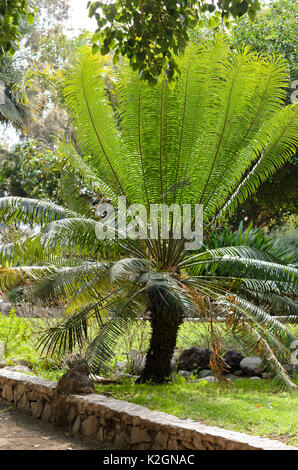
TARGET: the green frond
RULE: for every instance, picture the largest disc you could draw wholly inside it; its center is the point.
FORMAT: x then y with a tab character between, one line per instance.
79	233
70	333
281	132
32	211
128	269
67	282
122	313
70	156
71	194
92	117
269	356
269	324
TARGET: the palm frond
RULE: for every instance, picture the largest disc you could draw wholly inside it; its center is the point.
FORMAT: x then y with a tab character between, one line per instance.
32	211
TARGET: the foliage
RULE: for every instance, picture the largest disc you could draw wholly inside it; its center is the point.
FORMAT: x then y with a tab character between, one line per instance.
253	237
274	202
18	338
211	140
12	12
273	32
287	234
151	34
31	169
13	335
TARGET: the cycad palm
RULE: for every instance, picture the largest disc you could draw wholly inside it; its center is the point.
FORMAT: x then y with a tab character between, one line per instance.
212	140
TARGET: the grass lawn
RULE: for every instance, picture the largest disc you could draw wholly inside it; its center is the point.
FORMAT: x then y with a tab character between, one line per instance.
253	407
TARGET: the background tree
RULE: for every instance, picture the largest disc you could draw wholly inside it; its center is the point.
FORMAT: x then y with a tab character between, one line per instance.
151	34
273	32
12	13
30	169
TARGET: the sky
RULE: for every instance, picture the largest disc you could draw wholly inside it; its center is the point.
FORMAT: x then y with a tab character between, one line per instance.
79	16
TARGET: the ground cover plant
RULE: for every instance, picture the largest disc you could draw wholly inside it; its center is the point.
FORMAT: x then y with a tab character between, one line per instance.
211	140
18	337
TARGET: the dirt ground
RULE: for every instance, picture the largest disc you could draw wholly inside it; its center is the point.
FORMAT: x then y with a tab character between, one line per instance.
20	431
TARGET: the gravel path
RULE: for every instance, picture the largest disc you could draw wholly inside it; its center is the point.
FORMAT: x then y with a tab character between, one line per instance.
20	431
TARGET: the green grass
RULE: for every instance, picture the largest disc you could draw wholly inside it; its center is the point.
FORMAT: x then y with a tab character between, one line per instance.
18	337
253	407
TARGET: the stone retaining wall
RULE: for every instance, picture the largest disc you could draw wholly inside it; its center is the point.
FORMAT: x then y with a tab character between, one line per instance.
125	425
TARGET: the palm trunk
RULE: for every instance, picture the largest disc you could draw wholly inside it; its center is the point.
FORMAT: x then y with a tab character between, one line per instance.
163	341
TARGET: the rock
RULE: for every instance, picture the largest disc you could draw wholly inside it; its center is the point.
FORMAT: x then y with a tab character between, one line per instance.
89	427
76	379
121	441
137	361
232	377
22	369
7	392
122	365
267	375
19	391
161	439
36	408
97	379
100	434
76	425
124	376
239	373
6	308
184	373
174	362
255	378
139	436
194	359
233	359
210	379
47	412
2	364
205	373
23	362
291	369
252	366
23	403
32	396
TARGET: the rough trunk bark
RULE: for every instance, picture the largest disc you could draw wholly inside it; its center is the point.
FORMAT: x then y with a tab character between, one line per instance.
163	341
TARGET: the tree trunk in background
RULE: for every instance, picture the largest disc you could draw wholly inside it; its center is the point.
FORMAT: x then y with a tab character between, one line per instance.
163	341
